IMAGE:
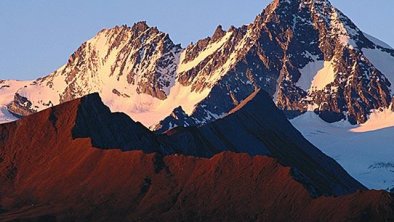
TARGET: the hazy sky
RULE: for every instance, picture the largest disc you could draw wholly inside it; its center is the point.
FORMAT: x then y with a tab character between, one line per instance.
37	36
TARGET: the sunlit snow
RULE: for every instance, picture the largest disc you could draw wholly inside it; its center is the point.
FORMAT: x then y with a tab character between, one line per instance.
212	48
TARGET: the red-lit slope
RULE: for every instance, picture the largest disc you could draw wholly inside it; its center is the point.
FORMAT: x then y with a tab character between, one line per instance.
45	175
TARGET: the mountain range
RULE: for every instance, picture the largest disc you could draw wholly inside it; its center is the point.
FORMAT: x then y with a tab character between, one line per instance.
260	106
306	54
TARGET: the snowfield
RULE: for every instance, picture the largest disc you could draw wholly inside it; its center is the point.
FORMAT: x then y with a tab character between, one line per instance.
365	151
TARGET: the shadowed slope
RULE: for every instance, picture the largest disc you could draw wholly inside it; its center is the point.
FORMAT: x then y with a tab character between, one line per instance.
255	127
258	127
47	174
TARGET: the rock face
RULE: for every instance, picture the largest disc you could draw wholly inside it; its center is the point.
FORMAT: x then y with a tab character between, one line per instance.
306	54
53	174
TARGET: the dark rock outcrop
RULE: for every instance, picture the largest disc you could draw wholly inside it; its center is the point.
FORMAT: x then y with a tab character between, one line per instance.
20	106
178	117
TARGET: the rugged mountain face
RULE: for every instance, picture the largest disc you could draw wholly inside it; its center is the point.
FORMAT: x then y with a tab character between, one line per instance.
62	172
305	53
117	62
347	83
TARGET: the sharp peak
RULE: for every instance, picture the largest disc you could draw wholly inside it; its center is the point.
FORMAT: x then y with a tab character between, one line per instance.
141	26
284	8
313	4
137	27
219	33
297	2
179	108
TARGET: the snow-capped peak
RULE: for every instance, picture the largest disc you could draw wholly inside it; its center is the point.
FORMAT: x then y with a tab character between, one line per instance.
303	53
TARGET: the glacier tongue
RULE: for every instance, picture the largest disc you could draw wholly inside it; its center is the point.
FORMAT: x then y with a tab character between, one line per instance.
365	151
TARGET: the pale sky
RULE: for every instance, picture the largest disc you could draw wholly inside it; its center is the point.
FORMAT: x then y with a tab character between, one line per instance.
38	36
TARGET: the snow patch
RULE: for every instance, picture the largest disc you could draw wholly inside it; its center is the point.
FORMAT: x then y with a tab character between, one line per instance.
316	75
6	116
308	73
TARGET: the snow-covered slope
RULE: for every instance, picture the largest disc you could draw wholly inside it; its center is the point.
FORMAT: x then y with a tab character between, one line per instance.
303	53
378	41
365	151
133	69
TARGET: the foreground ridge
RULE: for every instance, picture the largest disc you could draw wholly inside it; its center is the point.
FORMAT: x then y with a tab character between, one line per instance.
58	177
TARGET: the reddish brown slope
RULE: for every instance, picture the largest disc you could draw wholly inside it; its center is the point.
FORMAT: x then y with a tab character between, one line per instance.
46	175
